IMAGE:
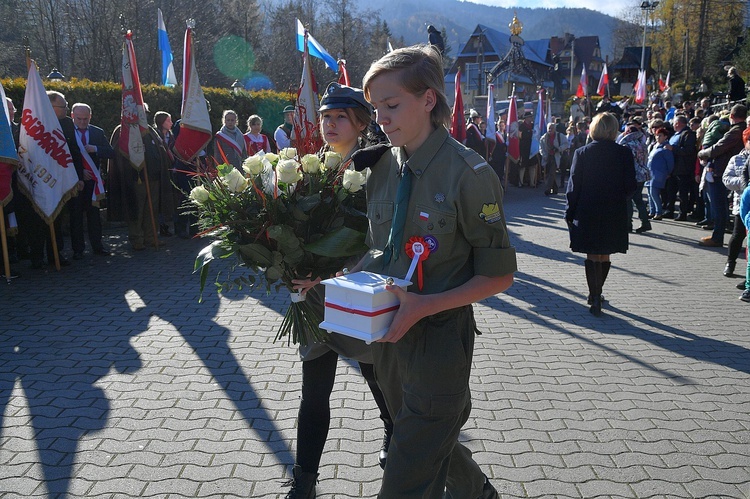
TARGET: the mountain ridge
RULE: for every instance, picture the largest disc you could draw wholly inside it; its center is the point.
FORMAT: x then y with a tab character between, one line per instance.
409	19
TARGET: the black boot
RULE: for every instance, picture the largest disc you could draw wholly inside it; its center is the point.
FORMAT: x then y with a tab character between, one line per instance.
387	434
589	264
596	300
303	484
593	279
729	269
605	272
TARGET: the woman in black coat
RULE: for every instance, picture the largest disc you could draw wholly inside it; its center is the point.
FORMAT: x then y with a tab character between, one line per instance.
602	179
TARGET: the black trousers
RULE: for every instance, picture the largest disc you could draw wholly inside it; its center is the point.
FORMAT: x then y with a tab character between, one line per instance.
314	418
735	241
685	193
79	206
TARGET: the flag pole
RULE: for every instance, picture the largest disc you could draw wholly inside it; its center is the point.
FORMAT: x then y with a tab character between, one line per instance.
507	169
4	240
54	245
151	208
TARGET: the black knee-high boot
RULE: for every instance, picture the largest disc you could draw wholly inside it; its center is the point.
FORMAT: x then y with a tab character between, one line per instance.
605	272
589	265
593	279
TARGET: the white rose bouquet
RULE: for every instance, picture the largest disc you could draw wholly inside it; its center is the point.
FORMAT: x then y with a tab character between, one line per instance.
285	217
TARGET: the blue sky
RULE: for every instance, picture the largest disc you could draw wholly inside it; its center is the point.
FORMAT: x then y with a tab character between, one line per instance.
611	7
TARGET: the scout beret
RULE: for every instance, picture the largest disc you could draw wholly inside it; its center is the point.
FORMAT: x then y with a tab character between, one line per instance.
342	97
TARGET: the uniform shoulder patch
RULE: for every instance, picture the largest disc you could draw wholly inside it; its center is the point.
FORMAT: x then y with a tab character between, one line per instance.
471	158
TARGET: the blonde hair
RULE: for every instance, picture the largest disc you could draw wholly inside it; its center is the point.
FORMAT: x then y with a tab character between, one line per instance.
604	126
253	119
420	68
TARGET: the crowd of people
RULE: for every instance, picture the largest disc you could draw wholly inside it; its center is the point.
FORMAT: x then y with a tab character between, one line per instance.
148	200
690	160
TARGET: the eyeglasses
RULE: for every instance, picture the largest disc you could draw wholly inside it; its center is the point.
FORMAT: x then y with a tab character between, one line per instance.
61	107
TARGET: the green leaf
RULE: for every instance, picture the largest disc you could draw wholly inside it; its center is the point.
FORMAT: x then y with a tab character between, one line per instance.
273	273
307	203
258	254
224	169
339	243
209	253
284	235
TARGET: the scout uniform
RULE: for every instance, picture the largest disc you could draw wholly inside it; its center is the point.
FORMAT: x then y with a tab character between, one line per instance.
455	210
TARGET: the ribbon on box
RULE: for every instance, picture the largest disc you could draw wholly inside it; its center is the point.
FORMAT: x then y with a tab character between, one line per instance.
418	251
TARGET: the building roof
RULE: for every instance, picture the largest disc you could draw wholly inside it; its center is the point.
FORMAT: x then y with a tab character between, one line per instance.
585	48
497	44
631	59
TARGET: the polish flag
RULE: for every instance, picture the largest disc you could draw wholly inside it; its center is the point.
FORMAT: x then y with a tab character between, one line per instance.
603	82
640	90
583	90
195	124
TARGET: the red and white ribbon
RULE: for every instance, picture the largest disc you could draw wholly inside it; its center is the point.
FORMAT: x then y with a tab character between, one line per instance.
418	251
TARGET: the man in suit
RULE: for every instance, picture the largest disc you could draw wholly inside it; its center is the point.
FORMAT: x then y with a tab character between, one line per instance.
95	149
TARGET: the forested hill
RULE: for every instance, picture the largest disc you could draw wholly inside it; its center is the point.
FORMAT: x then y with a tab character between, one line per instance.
408	18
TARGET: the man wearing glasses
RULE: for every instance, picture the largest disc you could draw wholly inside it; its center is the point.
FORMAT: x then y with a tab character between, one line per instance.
75	207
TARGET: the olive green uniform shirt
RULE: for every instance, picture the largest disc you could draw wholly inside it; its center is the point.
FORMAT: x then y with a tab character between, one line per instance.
455	206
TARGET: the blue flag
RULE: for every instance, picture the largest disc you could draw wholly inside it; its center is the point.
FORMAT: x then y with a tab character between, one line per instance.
168	77
314	48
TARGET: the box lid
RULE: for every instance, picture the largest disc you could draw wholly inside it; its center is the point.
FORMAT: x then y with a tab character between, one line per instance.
364	282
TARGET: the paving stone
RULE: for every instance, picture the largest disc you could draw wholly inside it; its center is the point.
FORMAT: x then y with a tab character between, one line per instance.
136	390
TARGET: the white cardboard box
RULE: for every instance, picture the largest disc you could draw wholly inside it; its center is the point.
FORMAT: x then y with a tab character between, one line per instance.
359	306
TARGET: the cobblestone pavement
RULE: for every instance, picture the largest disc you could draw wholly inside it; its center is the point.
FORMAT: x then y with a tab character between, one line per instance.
115	382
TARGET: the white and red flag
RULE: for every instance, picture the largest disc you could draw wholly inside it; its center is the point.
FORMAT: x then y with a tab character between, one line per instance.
583	84
640	89
514	146
306	132
46	174
134	124
458	127
195	123
601	89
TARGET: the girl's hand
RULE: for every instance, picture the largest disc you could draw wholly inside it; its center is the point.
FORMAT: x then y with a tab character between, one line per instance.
304	285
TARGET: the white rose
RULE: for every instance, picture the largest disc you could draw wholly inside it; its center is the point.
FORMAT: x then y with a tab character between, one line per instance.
332	160
235	181
253	165
199	194
353	180
288	171
288	153
310	163
271	157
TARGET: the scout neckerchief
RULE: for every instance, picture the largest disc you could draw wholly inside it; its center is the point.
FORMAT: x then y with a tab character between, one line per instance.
393	246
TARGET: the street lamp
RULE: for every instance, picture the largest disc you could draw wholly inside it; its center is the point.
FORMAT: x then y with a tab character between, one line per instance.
55	75
237	87
648	8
